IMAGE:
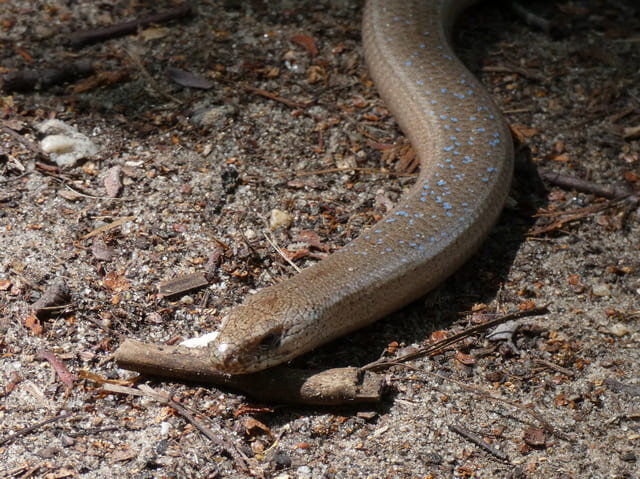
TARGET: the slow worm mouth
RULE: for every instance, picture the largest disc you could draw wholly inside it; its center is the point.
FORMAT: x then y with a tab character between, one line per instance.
222	357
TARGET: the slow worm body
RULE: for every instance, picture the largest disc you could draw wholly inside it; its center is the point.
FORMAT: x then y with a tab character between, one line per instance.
466	157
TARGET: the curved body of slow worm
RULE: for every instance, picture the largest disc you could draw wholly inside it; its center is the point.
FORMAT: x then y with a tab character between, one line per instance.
466	157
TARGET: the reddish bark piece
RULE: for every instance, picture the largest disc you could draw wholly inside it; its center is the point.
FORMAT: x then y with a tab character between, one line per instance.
307	42
66	377
535	437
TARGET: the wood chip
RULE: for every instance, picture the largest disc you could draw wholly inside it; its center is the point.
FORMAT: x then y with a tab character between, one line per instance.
183	284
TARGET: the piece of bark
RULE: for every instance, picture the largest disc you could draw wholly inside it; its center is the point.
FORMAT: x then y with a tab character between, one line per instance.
330	387
182	284
53	299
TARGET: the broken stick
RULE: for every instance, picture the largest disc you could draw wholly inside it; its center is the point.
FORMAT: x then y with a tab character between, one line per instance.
340	386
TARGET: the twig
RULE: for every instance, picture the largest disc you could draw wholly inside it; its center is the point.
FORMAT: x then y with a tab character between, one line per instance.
477	440
273	96
555	367
564	217
99	34
33	427
437	347
273	244
223	443
113	224
613	192
164	398
280	384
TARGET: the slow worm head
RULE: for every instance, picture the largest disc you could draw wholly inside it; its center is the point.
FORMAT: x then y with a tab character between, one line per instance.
466	158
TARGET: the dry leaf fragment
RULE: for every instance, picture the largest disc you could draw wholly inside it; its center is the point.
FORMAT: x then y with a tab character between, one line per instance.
307	42
465	359
438	335
116	282
188	79
253	427
183	284
66	377
32	323
535	437
101	251
56	295
312	239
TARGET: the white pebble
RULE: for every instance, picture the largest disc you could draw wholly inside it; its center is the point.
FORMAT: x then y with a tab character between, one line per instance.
620	329
280	218
602	289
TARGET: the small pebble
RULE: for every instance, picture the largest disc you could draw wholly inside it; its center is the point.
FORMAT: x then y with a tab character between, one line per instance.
280	218
620	329
602	289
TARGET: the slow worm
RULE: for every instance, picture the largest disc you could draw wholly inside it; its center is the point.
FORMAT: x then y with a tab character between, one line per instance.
466	163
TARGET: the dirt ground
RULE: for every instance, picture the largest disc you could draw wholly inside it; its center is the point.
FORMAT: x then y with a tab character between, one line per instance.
184	179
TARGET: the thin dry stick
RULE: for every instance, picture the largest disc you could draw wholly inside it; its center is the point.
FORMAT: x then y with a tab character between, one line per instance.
555	367
273	244
99	34
113	224
609	191
441	345
477	440
486	395
33	427
273	96
223	443
164	398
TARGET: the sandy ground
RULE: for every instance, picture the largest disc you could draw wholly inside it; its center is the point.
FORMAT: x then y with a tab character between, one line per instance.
184	180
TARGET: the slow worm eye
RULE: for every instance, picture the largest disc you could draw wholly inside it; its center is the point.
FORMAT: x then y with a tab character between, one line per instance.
269	341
